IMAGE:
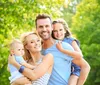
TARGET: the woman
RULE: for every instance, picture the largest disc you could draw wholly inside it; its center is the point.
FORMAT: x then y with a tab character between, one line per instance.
32	46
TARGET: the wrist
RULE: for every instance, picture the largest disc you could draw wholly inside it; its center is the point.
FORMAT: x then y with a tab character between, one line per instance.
21	69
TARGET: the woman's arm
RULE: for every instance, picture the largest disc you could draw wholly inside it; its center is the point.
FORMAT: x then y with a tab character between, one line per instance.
27	65
21	81
41	69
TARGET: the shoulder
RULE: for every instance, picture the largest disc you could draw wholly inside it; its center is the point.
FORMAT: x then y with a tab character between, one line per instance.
67	46
76	41
48	56
70	40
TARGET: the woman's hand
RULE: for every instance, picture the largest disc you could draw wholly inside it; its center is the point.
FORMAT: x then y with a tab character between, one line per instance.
11	59
22	81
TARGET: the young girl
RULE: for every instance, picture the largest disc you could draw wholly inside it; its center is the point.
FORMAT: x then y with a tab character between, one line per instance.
61	32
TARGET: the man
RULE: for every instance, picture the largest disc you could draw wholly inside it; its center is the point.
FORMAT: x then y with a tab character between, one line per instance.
62	62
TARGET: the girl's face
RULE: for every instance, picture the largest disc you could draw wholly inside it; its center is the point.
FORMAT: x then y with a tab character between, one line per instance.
33	43
58	31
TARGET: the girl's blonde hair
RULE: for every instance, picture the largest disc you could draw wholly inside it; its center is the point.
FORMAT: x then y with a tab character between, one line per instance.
27	55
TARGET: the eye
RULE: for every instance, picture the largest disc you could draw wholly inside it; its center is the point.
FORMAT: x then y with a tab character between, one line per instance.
19	49
38	40
47	26
54	30
40	26
32	42
60	29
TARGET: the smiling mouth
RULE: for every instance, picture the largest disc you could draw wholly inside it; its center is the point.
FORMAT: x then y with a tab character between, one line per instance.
37	46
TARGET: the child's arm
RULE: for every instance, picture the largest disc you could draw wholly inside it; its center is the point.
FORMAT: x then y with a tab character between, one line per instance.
85	69
73	54
28	65
21	61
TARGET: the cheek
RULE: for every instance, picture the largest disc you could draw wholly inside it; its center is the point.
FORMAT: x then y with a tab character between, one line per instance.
28	46
55	34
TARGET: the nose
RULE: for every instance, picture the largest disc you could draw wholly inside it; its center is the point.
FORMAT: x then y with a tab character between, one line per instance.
44	28
36	43
22	52
58	32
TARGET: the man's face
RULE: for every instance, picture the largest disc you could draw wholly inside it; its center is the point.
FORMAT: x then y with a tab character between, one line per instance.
44	28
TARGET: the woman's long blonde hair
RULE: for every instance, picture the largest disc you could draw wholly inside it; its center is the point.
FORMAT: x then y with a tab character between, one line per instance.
27	55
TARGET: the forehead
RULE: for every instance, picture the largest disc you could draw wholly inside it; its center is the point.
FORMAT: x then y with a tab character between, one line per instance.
58	25
17	45
32	37
43	22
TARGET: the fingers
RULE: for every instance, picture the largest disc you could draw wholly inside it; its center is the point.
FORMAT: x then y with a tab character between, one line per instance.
22	81
11	59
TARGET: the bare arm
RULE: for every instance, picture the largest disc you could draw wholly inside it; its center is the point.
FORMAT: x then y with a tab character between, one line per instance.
28	65
21	81
85	69
74	54
39	71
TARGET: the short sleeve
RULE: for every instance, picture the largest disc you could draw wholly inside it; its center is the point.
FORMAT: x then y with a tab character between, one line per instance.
19	59
70	40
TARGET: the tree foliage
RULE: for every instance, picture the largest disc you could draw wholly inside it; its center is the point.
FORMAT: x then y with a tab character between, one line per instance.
16	17
86	26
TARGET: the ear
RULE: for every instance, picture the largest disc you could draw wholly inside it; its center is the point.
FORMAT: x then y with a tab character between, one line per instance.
12	51
26	47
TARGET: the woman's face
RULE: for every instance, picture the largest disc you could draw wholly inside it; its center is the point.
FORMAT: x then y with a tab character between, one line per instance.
58	31
33	43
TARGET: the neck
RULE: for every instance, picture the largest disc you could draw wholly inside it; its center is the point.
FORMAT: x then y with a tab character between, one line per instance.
36	56
48	43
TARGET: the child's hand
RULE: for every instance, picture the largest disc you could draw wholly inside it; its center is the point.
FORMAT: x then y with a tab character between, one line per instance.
59	46
11	59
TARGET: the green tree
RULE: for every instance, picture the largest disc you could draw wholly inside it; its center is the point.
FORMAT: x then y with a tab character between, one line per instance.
16	17
86	26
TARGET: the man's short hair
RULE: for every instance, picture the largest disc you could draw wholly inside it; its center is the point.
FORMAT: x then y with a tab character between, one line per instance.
42	16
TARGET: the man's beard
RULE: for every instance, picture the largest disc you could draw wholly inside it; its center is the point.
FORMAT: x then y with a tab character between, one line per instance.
45	36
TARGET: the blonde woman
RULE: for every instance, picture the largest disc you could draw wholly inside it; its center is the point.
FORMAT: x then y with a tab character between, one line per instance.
32	46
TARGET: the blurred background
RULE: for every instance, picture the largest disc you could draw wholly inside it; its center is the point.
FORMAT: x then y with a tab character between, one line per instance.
83	17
